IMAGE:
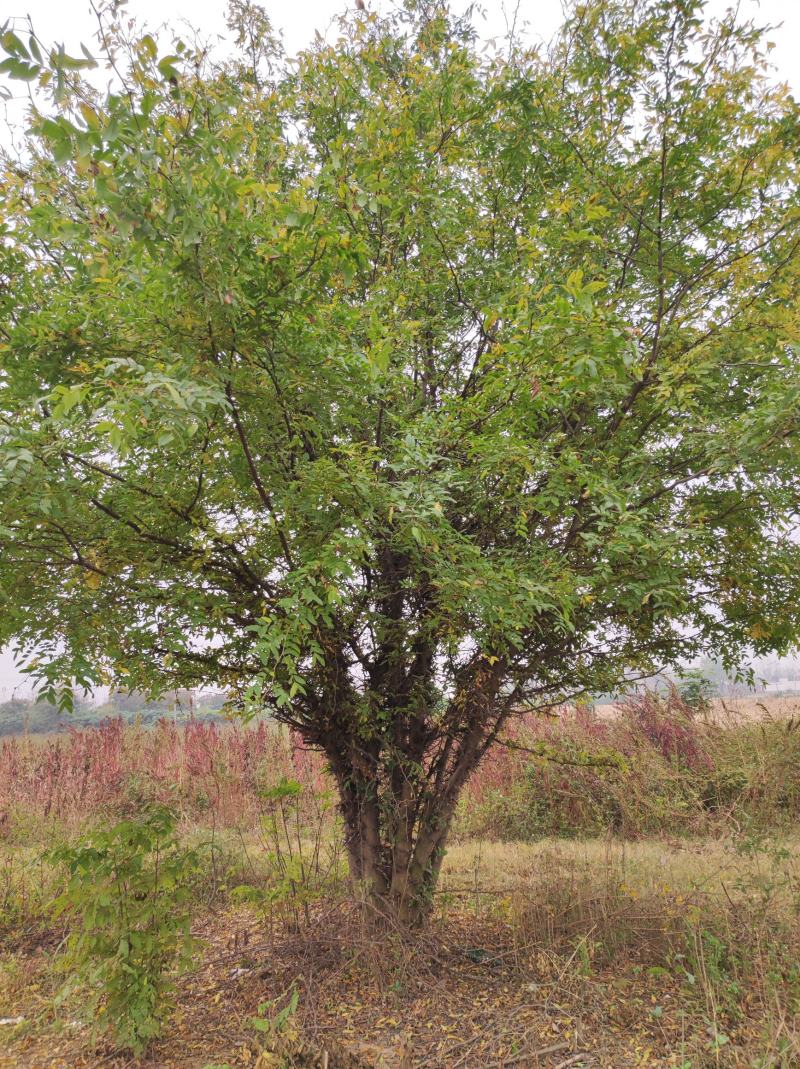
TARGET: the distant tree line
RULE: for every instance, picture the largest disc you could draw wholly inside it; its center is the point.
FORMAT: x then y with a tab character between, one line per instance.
40	717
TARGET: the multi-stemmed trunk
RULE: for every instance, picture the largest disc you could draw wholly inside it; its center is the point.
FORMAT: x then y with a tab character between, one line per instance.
398	799
394	859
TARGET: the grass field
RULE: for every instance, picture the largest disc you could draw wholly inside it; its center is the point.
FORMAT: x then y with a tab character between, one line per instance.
737	710
644	912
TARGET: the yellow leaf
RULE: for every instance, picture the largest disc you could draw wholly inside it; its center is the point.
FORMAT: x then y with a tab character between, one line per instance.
90	116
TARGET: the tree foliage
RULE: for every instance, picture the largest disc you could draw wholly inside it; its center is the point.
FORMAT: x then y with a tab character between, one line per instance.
404	384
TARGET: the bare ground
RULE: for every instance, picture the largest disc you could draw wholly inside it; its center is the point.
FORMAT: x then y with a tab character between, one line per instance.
496	981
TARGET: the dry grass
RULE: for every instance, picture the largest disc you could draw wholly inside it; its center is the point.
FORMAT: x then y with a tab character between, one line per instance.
678	950
682	866
741	710
615	956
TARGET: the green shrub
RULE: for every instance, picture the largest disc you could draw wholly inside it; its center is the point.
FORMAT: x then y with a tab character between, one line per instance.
129	895
696	689
681	775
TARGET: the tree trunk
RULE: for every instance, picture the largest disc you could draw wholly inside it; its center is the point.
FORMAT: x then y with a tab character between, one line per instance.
396	879
395	846
398	791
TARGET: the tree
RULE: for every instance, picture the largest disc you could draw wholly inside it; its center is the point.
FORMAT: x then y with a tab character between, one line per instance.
127	701
696	689
405	386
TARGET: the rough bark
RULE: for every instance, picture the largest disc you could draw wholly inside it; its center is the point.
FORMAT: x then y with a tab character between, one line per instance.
398	794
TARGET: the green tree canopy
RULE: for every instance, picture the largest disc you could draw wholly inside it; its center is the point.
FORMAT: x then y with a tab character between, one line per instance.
402	385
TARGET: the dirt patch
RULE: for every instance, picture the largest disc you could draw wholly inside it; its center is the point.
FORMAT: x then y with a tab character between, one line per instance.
462	997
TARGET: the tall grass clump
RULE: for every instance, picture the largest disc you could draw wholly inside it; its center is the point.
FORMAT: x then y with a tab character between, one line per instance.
206	773
653	765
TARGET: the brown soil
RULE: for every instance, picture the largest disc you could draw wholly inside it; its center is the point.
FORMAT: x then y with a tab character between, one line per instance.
458	997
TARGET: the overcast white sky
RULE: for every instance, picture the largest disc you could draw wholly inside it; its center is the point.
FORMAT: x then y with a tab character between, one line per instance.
72	21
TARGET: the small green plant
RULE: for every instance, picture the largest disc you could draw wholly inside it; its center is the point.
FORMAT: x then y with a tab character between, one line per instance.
281	1020
128	893
696	689
282	1045
294	826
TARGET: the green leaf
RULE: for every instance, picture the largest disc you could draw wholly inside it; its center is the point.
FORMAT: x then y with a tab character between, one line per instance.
18	70
10	43
167	68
